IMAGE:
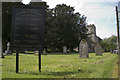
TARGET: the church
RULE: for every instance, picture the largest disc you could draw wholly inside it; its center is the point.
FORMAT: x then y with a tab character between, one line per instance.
93	38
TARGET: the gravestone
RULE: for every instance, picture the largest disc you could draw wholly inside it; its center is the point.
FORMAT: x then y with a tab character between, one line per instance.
64	49
83	49
98	49
26	52
8	49
36	52
44	52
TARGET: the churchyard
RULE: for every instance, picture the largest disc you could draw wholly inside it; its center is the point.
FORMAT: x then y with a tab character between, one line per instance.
59	65
80	51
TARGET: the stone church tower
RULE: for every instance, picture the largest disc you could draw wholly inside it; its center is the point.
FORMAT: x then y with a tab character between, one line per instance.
93	39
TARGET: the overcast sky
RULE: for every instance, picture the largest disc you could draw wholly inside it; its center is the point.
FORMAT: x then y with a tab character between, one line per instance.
99	12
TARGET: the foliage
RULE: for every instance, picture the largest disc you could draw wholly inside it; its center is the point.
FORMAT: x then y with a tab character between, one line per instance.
7	19
60	66
109	43
64	27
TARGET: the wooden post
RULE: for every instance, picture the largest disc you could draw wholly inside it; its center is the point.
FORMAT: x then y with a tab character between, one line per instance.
39	61
117	30
17	62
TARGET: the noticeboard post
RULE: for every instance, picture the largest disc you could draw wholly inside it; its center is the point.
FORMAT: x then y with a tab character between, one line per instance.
27	31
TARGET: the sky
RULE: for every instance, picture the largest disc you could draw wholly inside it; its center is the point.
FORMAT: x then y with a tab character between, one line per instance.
101	13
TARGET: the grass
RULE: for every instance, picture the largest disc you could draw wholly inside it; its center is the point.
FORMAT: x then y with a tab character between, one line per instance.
60	66
0	69
115	71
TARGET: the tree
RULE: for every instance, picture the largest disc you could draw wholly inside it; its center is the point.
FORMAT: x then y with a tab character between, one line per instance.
64	27
109	43
7	18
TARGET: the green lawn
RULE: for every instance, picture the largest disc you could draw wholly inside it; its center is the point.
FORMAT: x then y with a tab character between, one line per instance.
60	66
